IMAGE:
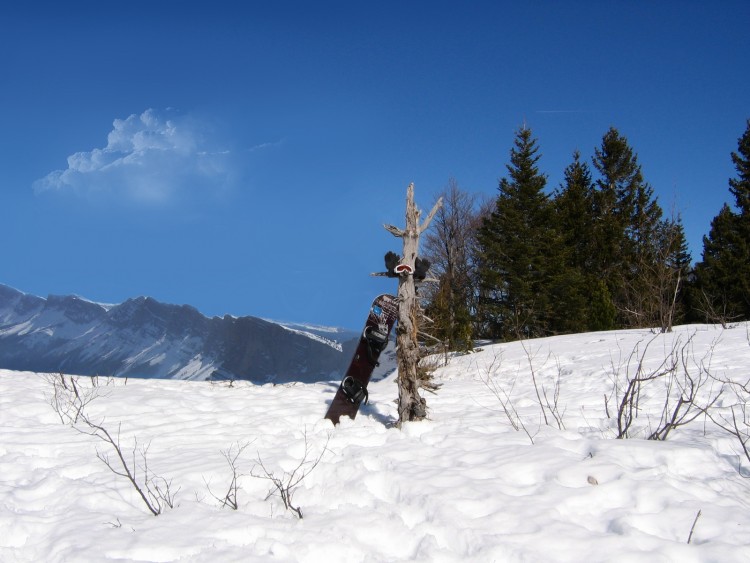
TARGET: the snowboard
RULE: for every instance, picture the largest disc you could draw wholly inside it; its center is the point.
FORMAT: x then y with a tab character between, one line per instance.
374	338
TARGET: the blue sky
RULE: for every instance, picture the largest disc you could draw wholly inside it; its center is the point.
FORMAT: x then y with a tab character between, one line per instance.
241	157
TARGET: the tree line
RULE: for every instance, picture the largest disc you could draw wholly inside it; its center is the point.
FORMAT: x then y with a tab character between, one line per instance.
597	252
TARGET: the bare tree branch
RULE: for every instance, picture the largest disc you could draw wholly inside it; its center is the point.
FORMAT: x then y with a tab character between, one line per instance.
286	484
426	223
231	455
70	400
395	231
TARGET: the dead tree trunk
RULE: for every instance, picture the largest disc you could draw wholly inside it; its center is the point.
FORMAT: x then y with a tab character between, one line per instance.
411	406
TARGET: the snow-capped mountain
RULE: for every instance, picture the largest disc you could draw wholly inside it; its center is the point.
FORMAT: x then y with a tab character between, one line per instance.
145	338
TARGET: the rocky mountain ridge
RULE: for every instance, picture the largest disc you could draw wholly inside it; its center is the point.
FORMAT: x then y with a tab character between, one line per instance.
142	337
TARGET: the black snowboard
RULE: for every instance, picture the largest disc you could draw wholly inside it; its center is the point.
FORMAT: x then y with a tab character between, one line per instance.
372	341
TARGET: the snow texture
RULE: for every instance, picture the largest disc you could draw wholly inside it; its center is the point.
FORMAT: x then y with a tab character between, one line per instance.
461	486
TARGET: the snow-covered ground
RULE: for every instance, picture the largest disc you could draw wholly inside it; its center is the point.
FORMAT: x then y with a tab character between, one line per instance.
464	485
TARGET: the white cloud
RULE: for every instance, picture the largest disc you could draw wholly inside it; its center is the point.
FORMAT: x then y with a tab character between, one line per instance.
151	158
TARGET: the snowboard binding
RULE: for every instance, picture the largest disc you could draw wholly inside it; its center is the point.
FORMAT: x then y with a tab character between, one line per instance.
376	341
372	341
354	391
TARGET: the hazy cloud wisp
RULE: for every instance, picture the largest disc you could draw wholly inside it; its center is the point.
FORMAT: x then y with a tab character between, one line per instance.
150	158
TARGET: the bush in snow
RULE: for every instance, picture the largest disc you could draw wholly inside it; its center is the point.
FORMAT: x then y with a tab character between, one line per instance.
70	399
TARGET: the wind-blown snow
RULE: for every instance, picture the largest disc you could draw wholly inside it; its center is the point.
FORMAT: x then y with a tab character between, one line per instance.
462	486
332	343
330	336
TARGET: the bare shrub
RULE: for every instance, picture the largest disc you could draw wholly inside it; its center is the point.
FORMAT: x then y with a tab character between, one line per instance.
70	401
683	386
547	399
428	364
231	455
737	423
735	418
716	310
285	484
504	396
687	388
155	491
69	395
627	393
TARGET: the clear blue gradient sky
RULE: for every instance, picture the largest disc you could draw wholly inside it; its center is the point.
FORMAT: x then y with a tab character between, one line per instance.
242	157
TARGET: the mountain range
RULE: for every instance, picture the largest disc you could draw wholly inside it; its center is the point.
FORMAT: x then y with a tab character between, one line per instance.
142	337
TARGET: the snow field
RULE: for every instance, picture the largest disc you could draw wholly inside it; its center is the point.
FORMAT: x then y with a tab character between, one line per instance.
461	486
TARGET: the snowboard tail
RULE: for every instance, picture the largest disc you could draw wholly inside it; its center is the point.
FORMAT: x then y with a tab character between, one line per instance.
352	391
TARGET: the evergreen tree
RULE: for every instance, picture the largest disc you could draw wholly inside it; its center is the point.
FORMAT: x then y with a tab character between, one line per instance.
574	206
626	219
723	276
740	186
722	289
668	277
602	313
574	220
518	249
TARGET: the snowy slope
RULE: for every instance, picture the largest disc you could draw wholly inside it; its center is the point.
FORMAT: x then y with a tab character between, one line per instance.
330	336
462	486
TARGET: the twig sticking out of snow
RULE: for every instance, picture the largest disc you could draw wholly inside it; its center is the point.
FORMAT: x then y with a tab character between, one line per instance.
70	401
692	528
286	485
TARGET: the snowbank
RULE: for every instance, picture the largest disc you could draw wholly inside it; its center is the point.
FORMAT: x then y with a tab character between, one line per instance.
464	485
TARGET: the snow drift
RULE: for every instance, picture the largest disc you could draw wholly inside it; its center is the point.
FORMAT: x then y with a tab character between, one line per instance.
463	485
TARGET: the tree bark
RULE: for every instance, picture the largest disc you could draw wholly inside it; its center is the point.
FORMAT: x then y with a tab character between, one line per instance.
411	406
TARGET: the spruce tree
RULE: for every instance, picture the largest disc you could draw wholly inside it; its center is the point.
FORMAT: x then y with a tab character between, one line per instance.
518	249
573	205
667	280
723	276
740	186
627	217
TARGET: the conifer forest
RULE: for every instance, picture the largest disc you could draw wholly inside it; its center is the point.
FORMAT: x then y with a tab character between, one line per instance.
597	252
